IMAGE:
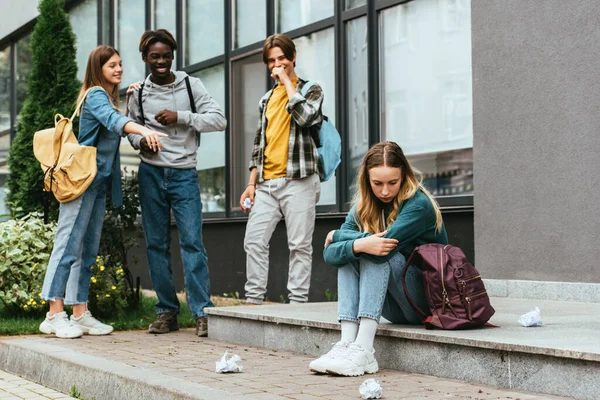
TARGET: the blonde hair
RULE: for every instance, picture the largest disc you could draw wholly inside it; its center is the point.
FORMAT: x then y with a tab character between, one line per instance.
93	74
368	210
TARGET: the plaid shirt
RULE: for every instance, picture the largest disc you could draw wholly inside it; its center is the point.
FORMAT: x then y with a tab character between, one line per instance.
302	152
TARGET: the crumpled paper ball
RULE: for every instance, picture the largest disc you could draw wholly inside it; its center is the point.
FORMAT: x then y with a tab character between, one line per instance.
228	365
532	318
370	389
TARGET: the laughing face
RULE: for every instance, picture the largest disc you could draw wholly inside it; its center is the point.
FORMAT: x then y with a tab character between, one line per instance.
112	70
159	59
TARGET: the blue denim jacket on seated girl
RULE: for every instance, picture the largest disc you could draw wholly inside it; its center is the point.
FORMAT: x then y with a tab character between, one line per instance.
101	126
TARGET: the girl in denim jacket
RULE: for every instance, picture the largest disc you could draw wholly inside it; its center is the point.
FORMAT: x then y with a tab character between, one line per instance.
80	221
392	214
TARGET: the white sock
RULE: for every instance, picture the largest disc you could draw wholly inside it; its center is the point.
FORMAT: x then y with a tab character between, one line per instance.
349	331
366	333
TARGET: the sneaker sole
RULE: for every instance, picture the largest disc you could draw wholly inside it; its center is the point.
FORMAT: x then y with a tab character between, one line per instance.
49	330
371	368
93	332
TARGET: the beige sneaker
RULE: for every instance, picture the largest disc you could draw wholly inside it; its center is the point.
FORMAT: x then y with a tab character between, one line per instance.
202	327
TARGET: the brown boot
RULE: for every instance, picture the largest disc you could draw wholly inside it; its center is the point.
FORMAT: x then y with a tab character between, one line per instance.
165	323
202	327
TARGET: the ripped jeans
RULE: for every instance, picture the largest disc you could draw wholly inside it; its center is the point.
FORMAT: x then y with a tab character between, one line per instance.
371	290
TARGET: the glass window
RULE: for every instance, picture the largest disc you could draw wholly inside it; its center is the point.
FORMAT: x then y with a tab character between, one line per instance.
426	96
357	94
130	26
23	68
315	61
292	14
84	19
4	90
249	22
165	16
247	87
204	20
211	154
349	4
4	125
106	22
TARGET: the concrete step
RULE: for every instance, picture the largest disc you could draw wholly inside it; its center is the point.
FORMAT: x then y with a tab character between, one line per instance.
561	358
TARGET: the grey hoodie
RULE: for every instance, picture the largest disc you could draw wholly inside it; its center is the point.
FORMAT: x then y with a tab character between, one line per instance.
180	147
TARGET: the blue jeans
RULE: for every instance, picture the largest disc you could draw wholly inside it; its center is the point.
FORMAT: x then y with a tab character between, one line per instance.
76	247
371	290
162	190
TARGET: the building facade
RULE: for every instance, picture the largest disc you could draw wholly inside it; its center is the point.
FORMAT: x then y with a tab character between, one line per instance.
398	70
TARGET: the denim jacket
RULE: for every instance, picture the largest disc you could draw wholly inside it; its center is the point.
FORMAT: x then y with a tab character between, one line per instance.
101	126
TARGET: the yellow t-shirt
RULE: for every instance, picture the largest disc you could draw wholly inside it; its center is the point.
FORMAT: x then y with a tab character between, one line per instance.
277	134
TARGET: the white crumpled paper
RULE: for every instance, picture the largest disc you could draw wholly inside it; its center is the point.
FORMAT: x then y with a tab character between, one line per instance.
228	365
370	389
532	318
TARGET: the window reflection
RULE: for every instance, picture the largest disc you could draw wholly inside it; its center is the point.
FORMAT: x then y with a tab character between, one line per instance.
130	26
204	20
4	89
292	14
165	16
211	154
349	4
357	93
426	98
247	87
84	20
249	22
23	69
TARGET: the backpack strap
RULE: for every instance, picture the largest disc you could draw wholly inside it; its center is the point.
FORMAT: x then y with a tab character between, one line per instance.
80	104
314	132
190	94
140	103
403	280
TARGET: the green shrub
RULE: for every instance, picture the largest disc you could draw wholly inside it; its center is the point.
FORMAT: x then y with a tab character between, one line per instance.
52	88
109	293
25	248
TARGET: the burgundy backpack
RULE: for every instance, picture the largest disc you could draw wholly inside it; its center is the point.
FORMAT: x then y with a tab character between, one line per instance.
453	287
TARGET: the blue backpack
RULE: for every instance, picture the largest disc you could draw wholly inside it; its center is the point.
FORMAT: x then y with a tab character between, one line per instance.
329	146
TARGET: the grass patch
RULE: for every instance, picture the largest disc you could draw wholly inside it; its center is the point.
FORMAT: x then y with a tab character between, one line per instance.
140	318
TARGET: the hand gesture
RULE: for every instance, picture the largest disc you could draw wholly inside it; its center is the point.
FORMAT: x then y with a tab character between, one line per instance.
248	193
279	74
133	86
166	117
375	245
144	145
152	139
329	238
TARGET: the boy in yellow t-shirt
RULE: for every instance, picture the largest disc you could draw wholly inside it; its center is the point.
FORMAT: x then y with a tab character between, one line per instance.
284	179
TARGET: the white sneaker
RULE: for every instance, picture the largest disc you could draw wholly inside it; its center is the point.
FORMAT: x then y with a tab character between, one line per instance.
354	361
60	325
321	364
90	325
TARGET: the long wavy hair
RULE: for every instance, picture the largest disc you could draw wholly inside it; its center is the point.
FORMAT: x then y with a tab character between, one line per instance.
368	206
93	74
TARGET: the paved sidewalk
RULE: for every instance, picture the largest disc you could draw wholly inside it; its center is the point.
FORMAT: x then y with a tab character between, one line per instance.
267	374
12	387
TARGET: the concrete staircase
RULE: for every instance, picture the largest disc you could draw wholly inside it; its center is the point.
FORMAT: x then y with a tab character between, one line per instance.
561	358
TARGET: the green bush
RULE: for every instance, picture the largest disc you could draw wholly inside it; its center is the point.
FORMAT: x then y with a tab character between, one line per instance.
109	293
25	248
52	88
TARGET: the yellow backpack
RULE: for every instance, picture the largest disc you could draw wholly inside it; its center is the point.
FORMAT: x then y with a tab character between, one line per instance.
69	168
